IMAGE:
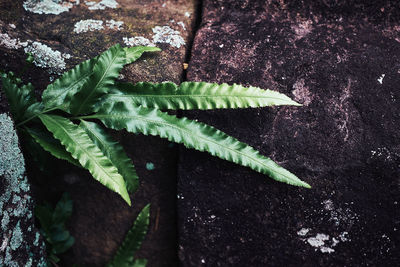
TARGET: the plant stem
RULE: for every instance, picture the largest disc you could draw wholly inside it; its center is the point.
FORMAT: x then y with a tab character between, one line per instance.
36	114
84	117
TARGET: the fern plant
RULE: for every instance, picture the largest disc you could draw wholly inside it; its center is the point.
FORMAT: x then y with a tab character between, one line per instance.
66	121
52	226
124	257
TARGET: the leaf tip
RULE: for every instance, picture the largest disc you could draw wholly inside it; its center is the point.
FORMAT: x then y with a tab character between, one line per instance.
127	200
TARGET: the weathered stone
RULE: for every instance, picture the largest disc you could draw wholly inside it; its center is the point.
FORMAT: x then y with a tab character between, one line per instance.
20	241
100	219
341	60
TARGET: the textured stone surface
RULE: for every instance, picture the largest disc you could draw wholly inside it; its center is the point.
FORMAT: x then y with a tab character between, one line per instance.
20	241
341	60
100	219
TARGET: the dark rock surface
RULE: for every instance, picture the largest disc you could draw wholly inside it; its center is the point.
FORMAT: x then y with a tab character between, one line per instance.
20	241
100	218
341	60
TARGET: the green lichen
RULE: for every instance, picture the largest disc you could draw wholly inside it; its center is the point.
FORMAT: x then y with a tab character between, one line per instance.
15	204
12	165
36	242
8	261
17	237
16	199
150	166
29	263
5	221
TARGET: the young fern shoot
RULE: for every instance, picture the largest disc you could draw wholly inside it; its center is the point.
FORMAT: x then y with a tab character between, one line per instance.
90	92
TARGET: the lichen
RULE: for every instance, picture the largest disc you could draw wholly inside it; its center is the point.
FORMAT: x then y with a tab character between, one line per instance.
36	242
150	166
48	6
101	5
137	41
88	25
96	25
17	237
114	24
15	204
11	43
180	23
12	164
29	263
164	34
45	57
5	221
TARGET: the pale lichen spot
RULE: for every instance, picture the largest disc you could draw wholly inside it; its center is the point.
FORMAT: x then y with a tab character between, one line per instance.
17	238
45	57
167	35
11	43
4	244
150	166
92	5
301	92
114	25
380	79
303	231
137	41
318	240
180	23
48	6
187	14
88	25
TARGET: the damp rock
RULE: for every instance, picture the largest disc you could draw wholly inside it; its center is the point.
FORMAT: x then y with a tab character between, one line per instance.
18	231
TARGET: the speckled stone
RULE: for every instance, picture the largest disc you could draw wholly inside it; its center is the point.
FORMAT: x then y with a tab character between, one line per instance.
20	242
344	140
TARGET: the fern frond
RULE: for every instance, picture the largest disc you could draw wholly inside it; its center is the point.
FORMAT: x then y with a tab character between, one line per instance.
195	95
114	152
133	53
82	148
20	98
105	71
51	145
132	242
139	263
192	134
58	94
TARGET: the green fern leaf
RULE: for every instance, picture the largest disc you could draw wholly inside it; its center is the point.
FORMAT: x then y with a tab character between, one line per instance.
134	53
82	148
195	95
51	145
133	240
139	263
58	94
105	71
192	134
114	152
20	98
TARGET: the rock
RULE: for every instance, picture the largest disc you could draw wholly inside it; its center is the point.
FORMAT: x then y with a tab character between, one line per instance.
341	61
20	241
61	34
